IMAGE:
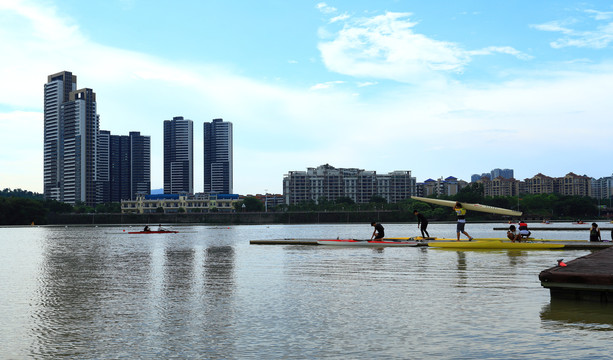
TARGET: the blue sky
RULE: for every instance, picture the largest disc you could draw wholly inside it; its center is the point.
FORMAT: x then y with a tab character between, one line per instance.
445	88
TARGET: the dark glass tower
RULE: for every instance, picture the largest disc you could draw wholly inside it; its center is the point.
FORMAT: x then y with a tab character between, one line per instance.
218	157
178	156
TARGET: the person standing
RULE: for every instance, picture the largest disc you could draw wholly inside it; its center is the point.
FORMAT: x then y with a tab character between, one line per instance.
595	233
422	224
461	213
379	232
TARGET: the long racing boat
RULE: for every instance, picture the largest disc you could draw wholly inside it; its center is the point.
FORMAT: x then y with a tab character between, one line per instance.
367	243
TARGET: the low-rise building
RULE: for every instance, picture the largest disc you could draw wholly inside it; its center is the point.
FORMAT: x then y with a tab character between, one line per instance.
448	186
328	182
172	203
573	184
500	186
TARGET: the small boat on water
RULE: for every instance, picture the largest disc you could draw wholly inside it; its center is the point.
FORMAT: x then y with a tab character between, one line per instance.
154	232
367	243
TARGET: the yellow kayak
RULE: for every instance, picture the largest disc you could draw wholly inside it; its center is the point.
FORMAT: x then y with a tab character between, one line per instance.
419	238
491	244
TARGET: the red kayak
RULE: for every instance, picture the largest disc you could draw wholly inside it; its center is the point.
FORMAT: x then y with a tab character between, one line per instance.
153	232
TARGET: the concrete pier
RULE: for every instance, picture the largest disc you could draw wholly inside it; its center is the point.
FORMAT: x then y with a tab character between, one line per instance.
587	278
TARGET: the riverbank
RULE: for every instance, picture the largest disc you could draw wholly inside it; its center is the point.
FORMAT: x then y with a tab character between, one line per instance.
251	218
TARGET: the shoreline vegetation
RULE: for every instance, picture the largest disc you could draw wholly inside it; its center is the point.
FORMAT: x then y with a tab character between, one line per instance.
20	207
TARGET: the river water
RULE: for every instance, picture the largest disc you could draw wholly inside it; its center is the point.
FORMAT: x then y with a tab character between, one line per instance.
206	293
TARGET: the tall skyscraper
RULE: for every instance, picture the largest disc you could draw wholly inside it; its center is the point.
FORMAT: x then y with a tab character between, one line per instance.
178	156
218	157
140	164
57	90
71	141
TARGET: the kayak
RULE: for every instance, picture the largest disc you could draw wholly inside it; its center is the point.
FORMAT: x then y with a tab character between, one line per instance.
153	232
492	244
467	206
366	243
463	239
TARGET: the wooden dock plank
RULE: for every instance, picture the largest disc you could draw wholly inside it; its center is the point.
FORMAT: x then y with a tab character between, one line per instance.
589	277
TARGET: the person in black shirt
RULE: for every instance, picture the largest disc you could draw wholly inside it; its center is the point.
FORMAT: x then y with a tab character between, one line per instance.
422	224
379	231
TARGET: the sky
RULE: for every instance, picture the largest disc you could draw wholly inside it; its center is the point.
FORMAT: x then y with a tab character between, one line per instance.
440	88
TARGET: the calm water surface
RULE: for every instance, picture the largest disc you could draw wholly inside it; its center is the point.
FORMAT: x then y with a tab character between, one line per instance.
100	293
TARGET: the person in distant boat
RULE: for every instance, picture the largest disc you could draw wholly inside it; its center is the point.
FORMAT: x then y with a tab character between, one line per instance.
513	234
160	228
422	224
379	232
146	228
595	233
461	213
523	229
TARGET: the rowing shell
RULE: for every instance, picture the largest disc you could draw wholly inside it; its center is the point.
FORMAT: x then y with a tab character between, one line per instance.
366	243
494	245
153	232
434	239
467	206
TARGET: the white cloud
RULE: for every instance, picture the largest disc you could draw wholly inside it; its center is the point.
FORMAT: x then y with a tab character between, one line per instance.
326	85
598	38
433	132
338	18
600	15
501	50
325	8
387	47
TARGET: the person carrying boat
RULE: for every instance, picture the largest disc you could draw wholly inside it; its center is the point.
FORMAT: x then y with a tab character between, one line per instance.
595	233
513	234
422	224
523	229
379	231
461	213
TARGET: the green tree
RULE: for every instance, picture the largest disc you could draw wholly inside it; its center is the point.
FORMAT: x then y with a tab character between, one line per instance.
473	193
253	204
376	199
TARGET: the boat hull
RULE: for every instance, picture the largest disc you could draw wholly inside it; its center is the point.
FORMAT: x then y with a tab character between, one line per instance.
492	244
153	232
366	243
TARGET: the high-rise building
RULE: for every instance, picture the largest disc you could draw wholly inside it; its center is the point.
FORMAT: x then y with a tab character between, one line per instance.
218	157
140	164
57	90
178	156
124	166
81	127
71	141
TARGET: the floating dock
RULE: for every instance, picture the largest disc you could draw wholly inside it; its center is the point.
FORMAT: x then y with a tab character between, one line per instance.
582	227
587	278
568	244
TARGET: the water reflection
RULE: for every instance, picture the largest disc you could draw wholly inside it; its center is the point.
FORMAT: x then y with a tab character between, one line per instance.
207	293
66	294
561	313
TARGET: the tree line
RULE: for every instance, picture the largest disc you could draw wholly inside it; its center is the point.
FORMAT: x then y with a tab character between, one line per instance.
534	206
21	207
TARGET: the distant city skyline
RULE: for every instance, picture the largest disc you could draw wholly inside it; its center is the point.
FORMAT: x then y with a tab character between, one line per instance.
438	88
